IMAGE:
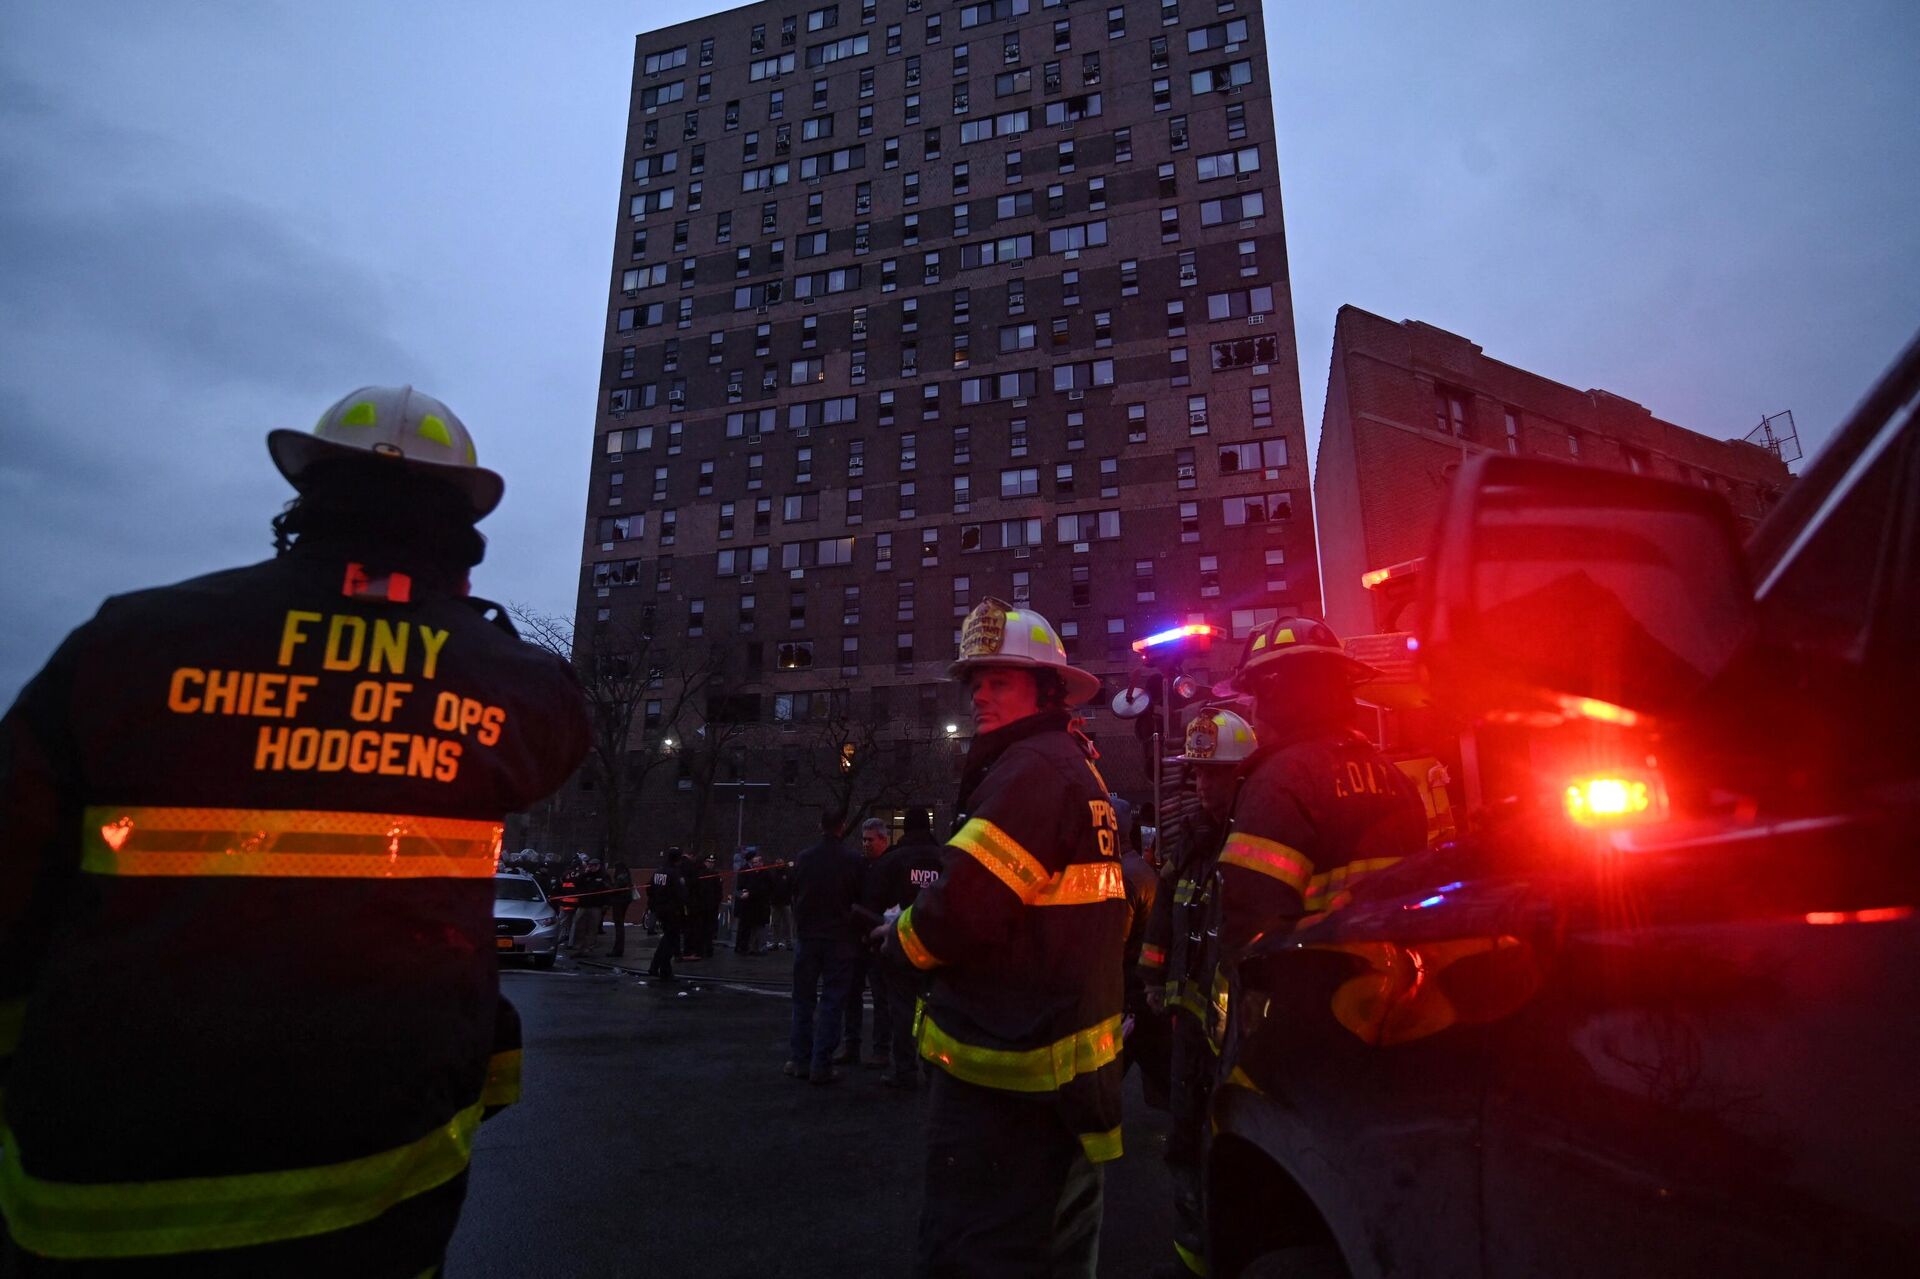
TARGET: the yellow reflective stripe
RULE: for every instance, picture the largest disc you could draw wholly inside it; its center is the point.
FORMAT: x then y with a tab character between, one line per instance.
1183	892
503	1079
1081	884
1192	1260
910	944
1023	1070
196	1214
13	1013
1270	858
285	843
1101	1147
1323	889
1001	855
1238	1078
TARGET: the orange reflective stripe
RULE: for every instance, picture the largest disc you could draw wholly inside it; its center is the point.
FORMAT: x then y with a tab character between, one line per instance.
1270	858
1153	956
285	843
1001	855
1080	884
910	944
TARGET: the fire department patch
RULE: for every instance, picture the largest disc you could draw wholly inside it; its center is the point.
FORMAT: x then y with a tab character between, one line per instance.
985	630
1203	738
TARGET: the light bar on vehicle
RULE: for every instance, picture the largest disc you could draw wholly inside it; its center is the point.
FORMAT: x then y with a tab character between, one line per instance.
1611	799
1175	635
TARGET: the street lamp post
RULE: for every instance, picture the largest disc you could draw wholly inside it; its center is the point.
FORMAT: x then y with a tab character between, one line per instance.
740	812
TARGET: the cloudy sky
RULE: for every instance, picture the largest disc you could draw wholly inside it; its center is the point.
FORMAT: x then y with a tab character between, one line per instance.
216	217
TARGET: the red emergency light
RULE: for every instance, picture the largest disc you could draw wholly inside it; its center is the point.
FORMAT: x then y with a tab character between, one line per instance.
1175	635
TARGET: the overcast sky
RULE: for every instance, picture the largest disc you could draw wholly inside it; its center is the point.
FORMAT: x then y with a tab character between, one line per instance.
217	217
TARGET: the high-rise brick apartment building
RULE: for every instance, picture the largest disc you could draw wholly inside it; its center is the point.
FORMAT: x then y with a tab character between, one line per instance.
1407	401
913	303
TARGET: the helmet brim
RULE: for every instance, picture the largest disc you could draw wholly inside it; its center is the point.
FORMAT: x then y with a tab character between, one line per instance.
1242	683
1082	686
296	453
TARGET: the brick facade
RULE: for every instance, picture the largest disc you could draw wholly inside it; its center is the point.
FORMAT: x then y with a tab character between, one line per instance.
1407	401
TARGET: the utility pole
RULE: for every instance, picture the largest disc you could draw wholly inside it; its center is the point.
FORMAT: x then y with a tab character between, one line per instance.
740	812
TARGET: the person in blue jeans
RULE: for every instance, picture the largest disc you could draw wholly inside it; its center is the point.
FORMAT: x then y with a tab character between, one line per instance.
826	886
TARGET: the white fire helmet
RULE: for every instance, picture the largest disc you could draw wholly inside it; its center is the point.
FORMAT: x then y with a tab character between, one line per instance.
1218	736
395	422
998	634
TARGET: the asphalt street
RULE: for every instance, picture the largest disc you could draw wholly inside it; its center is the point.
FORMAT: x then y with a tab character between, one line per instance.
656	1136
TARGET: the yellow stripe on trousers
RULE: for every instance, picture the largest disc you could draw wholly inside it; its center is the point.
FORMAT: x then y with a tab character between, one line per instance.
73	1221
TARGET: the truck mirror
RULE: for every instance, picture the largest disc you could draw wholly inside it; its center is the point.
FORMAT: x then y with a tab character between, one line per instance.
1558	591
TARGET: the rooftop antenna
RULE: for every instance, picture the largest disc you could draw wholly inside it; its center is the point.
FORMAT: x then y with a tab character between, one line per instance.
1778	436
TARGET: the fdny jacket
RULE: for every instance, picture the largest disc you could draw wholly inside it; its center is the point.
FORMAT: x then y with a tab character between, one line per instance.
1024	931
246	917
1314	816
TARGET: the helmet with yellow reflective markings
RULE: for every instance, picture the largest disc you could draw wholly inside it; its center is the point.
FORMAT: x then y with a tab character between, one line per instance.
998	634
1218	736
396	423
1286	643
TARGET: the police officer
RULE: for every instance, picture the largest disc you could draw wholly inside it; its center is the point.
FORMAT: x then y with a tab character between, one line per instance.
667	899
1320	809
1023	934
893	883
246	923
1176	963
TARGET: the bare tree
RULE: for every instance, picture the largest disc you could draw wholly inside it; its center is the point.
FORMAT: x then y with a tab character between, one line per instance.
860	757
623	668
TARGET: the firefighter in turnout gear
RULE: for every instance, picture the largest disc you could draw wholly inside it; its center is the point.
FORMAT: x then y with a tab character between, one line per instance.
1024	935
246	909
1178	958
1320	809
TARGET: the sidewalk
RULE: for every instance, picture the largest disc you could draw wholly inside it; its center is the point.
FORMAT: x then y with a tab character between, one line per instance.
775	968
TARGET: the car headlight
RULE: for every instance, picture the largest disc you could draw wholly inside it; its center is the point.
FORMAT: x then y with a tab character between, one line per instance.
546	921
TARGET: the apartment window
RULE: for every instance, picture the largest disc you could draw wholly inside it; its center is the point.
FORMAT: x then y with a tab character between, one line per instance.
1061	338
705	485
1513	430
856	498
909	500
1070	288
1176	127
1062	35
819	95
962	181
1236	121
1189	521
1016	297
1020	482
893	38
776	104
1170	224
726	520
1087	526
1064	158
903	652
1254	455
755	465
910	188
1116	22
1143	587
883	551
1573	446
1136	424
1258	508
1109	477
903	600
1013	170
1228	164
1244	207
1449	411
1022	586
1260	407
962	494
1196	415
962	445
929	547
1220	79
1276	564
1240	303
796	655
1063	477
1018	337
1176	318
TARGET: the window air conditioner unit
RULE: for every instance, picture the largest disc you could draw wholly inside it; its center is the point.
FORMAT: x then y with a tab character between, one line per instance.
1076	395
1023	552
1258	318
746	579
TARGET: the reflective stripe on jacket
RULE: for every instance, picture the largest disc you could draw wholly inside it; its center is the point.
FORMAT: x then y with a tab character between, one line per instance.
246	913
1025	934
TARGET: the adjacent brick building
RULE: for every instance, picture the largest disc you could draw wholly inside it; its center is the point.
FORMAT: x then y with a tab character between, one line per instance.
916	303
1407	401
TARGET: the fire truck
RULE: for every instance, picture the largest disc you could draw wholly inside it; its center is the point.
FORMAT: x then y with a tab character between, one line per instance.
1652	1011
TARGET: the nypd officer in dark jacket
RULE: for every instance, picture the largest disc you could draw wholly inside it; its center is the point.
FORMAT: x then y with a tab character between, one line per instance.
246	917
893	882
1024	935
